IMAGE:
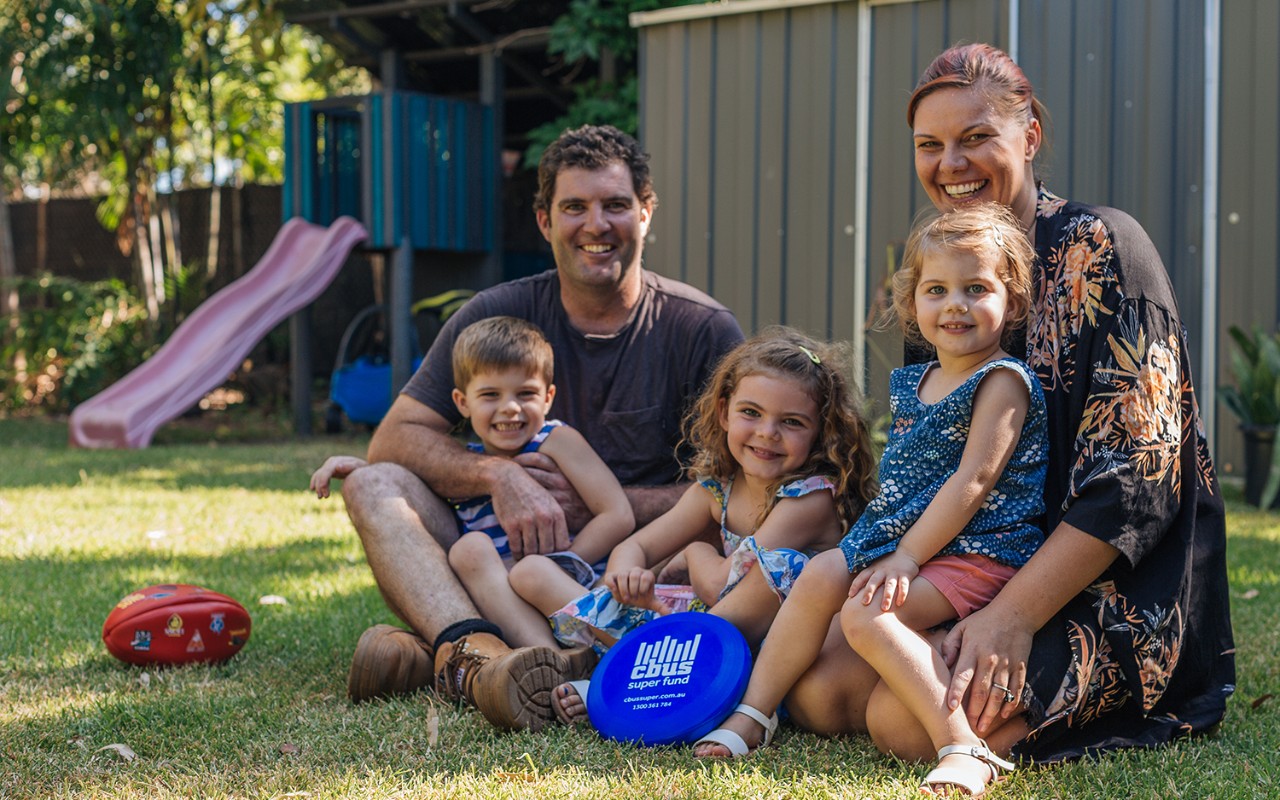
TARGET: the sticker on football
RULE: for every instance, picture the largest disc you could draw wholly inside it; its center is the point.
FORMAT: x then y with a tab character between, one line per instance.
175	623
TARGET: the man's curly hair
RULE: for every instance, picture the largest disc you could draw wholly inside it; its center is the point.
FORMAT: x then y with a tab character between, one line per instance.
593	147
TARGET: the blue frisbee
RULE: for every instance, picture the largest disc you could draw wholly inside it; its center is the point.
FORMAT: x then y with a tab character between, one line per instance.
670	681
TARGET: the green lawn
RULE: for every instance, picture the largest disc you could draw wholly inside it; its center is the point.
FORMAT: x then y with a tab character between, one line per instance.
80	529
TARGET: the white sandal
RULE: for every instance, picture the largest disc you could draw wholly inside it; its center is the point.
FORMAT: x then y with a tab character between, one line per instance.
950	776
736	744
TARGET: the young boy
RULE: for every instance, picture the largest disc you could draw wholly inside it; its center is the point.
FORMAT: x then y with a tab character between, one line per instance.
502	372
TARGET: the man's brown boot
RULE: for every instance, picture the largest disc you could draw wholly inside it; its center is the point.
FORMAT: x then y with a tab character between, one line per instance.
389	661
579	662
511	688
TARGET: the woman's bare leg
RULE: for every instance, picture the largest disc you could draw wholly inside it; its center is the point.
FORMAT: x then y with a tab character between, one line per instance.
830	698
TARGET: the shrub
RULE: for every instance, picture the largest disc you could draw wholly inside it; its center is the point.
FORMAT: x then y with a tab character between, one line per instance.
71	340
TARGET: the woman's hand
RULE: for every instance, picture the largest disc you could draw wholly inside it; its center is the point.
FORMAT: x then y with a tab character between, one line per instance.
987	653
894	572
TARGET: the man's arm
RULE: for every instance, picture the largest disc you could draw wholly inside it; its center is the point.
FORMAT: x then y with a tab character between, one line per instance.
416	437
650	502
647	502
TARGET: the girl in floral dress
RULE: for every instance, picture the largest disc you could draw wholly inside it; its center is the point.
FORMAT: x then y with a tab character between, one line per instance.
782	466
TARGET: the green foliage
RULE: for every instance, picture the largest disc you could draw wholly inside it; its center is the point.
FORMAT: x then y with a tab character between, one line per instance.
596	103
242	65
1255	397
1255	368
71	341
589	27
131	89
94	90
584	34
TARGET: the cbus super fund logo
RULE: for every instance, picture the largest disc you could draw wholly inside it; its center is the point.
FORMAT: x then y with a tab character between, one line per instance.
668	662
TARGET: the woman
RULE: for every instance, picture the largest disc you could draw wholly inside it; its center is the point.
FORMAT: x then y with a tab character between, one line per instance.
1117	632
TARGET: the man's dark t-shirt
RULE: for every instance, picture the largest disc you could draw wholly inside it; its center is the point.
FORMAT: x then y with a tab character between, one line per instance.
626	393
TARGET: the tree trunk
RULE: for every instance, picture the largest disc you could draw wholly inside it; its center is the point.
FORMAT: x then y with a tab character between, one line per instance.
8	270
172	233
42	231
215	229
156	245
237	230
142	252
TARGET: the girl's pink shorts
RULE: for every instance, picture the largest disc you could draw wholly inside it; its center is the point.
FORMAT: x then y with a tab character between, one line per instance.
968	582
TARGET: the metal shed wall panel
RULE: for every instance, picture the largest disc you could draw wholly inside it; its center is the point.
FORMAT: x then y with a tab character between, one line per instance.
1249	194
905	38
1124	84
750	119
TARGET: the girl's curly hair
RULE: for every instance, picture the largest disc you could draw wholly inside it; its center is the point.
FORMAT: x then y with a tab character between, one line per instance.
842	449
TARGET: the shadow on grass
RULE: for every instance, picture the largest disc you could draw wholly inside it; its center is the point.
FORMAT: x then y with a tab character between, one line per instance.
249	466
221	451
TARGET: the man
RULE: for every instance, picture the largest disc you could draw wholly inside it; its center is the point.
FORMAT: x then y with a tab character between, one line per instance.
632	349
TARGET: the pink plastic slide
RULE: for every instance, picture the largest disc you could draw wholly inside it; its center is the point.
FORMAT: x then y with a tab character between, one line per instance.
211	343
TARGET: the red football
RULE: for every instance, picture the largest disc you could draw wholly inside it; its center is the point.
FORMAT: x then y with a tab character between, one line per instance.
175	623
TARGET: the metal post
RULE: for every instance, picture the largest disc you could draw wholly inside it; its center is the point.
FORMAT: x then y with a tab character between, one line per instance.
300	370
399	317
491	90
1209	221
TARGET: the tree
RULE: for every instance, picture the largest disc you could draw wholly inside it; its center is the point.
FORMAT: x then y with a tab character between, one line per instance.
130	93
244	64
597	32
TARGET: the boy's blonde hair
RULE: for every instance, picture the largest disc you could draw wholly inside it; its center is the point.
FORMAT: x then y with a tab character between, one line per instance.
984	228
842	448
501	343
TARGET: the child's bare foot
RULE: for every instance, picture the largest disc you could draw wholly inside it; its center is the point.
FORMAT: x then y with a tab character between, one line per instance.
569	701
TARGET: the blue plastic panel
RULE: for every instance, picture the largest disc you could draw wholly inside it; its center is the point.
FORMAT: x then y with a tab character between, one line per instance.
430	164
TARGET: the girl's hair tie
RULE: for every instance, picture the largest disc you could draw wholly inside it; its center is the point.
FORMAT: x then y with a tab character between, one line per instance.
812	356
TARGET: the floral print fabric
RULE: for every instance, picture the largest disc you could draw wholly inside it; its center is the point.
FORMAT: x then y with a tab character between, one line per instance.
1146	653
780	566
926	443
581	621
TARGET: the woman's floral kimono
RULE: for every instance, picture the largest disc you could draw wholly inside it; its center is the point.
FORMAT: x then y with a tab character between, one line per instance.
1145	655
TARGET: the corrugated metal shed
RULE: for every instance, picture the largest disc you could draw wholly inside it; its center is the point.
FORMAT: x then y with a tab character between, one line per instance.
783	160
1247	283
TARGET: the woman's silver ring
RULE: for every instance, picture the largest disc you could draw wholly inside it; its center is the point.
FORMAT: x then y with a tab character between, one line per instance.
1008	693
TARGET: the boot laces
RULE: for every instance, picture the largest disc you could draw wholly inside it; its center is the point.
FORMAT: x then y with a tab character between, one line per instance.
454	680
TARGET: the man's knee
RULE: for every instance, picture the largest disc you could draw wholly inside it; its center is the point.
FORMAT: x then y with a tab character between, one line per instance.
365	487
380	495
